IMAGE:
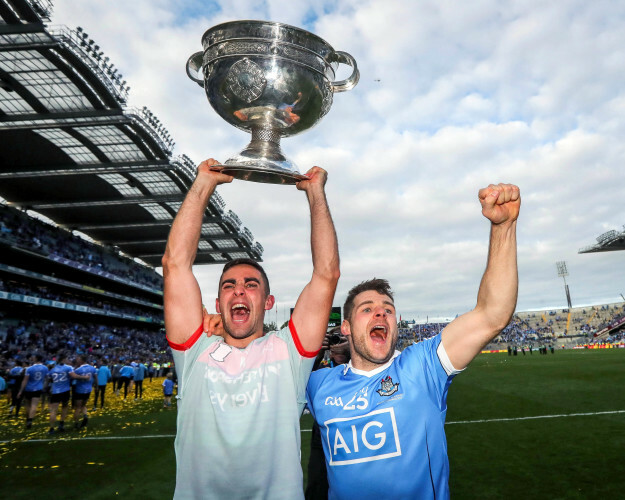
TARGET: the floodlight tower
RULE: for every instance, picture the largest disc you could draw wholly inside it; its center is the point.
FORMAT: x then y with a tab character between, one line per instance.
561	265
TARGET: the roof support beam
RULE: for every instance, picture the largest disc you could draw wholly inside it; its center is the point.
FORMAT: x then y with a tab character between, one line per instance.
23	92
138	225
92	168
14	26
204	237
131	200
215	251
70	116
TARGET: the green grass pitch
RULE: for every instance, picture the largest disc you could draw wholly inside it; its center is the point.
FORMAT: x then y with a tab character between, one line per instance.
517	427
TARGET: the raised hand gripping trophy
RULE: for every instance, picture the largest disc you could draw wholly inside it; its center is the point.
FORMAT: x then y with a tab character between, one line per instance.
270	79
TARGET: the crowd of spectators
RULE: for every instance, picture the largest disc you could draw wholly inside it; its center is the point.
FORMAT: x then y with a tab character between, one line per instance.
20	339
534	330
35	235
520	332
616	318
66	295
418	332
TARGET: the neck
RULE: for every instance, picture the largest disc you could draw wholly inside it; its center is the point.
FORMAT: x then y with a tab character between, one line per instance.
365	365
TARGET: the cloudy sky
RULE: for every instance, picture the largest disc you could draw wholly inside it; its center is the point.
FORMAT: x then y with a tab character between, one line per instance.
453	96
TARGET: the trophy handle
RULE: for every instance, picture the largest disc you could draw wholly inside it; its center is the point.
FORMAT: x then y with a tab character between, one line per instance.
194	68
348	83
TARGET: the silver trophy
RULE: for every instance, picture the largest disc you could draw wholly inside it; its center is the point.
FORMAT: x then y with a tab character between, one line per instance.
270	79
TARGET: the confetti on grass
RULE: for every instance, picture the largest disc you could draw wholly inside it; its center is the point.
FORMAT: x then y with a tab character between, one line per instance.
118	416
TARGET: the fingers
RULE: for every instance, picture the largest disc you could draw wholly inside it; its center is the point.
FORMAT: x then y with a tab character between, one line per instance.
498	194
211	323
209	163
316	177
207	167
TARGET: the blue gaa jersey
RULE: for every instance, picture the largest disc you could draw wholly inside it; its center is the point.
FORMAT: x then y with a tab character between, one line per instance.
168	387
15	373
36	375
59	376
84	386
383	431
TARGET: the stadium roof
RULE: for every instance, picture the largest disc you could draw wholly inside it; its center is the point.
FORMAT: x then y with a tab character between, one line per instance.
74	152
607	242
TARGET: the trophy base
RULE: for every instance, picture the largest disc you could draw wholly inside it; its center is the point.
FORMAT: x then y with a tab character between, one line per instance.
260	174
247	166
262	161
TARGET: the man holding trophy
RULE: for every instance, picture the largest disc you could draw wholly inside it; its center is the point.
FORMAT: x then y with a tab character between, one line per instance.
241	395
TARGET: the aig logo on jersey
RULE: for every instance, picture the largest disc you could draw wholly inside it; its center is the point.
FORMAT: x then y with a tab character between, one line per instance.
363	439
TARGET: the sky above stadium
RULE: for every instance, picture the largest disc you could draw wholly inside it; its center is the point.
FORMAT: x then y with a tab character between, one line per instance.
452	96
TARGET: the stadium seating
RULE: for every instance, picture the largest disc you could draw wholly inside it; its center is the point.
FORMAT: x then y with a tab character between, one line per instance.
59	291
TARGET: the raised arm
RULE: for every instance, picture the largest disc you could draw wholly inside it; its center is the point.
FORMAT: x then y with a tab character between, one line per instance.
313	306
182	296
467	335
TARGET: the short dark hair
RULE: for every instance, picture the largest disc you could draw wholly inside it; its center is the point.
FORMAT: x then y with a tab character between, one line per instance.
376	284
244	261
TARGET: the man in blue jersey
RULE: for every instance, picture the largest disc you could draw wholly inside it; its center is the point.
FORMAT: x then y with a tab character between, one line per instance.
115	369
31	388
240	396
103	377
61	376
16	376
3	383
382	415
126	374
82	391
138	378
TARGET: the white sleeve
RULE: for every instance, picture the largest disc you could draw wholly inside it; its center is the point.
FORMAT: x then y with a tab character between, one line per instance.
445	361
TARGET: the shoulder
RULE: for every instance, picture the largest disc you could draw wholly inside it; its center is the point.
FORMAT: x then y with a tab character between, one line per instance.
324	376
426	347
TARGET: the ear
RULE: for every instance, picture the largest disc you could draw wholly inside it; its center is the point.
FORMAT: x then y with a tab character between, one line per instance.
269	302
346	328
217	308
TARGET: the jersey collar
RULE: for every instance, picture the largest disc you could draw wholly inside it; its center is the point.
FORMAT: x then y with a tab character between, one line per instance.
373	372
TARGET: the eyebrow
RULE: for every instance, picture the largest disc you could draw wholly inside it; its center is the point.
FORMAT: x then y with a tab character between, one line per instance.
245	280
387	302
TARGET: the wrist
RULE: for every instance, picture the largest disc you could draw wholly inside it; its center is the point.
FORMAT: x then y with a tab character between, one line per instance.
203	186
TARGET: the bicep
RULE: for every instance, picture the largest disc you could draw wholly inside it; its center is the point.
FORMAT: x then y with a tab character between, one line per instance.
182	301
312	312
466	336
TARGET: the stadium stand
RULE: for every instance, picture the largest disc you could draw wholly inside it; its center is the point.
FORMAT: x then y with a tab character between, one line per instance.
75	153
88	192
609	241
49	276
561	328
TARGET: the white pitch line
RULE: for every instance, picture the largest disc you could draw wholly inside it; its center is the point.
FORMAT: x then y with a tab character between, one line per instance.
88	438
514	419
155	436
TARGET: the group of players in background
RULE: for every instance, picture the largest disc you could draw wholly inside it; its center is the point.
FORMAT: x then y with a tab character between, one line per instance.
58	382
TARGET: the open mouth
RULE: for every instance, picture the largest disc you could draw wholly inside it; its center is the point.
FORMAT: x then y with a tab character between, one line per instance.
239	313
378	334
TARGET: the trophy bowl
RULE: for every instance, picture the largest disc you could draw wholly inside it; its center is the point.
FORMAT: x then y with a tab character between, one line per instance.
271	80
